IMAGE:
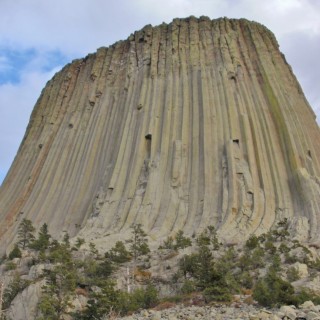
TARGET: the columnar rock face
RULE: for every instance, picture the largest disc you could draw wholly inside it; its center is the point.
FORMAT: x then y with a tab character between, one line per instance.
194	123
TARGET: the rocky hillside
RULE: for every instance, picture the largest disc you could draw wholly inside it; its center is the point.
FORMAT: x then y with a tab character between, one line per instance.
267	277
237	311
194	123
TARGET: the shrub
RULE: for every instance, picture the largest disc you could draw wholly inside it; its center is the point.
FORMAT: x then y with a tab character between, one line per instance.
204	272
272	291
15	286
10	265
188	287
181	241
144	298
252	242
257	258
139	242
3	259
314	264
306	295
56	293
93	248
188	265
96	271
168	244
292	274
245	261
270	247
79	242
290	259
281	232
43	241
262	238
15	253
283	248
276	263
109	299
25	233
209	237
217	293
102	302
104	269
59	252
251	260
119	253
245	280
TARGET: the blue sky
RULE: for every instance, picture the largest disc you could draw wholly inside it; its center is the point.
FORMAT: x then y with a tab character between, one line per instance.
12	61
38	37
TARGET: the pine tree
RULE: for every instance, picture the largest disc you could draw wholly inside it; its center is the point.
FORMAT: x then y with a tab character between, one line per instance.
119	253
79	242
15	286
139	242
25	233
182	241
15	253
43	241
102	302
209	238
60	284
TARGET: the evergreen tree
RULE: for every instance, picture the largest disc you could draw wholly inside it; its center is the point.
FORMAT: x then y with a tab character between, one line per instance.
60	284
205	267
272	291
214	238
43	240
168	244
66	240
59	252
188	265
181	241
139	242
209	238
15	253
282	230
119	253
93	248
102	302
252	243
79	242
25	233
15	286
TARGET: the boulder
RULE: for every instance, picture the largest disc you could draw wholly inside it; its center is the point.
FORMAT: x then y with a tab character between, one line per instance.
24	305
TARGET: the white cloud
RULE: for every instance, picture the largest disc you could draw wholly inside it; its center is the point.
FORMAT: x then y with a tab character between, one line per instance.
296	24
4	64
16	103
70	26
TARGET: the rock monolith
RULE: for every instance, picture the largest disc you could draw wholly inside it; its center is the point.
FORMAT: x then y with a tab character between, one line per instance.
194	123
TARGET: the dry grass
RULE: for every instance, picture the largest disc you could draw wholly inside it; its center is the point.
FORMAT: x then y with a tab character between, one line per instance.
171	255
142	275
165	305
81	292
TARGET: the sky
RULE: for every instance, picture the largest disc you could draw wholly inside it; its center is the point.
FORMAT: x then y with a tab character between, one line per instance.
38	37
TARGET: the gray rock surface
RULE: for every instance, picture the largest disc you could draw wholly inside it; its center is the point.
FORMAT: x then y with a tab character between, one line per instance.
222	135
24	305
222	312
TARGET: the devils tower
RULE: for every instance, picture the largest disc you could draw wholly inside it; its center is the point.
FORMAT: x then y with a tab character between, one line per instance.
183	125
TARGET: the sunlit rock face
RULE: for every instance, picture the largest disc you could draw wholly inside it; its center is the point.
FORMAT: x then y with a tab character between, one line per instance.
194	123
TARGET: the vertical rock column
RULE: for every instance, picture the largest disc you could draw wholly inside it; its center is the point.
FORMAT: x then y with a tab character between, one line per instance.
194	123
